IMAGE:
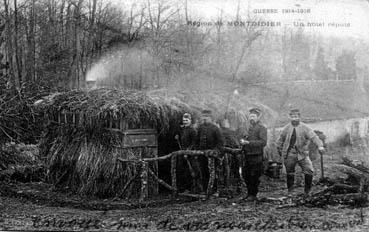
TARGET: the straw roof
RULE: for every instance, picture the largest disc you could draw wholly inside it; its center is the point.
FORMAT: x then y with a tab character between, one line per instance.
142	109
97	106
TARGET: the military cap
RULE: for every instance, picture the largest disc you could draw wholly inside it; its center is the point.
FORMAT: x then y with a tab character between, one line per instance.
255	110
187	115
206	113
294	111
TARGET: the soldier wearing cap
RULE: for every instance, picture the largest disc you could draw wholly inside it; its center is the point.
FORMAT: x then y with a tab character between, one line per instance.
209	137
253	147
293	147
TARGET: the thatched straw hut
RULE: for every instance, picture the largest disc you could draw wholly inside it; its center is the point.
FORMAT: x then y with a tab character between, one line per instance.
84	137
83	140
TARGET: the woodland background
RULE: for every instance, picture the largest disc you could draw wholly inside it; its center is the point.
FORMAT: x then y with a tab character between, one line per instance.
49	45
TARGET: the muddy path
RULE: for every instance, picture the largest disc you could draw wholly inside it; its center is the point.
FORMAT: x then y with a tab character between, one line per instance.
22	211
38	207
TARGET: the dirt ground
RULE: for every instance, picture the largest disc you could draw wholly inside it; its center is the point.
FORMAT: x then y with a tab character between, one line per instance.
21	211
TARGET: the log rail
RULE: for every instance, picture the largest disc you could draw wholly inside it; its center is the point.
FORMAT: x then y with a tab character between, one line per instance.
146	170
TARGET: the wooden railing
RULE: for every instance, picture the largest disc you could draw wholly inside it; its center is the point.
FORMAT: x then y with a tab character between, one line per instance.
146	170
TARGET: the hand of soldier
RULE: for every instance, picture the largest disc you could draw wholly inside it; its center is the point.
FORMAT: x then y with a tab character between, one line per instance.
244	142
176	137
321	150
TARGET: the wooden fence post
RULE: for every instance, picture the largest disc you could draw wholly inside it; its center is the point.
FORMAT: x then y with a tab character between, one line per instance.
227	170
173	172
144	181
211	166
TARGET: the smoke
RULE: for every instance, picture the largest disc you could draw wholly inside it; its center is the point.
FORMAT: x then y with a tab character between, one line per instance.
97	71
126	68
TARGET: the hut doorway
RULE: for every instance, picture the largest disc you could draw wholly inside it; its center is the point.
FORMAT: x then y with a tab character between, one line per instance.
145	141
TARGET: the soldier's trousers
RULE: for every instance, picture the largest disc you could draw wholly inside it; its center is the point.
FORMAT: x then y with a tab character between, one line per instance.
251	171
199	175
185	180
305	163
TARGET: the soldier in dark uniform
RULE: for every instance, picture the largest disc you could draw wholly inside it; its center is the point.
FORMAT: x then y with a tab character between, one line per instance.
189	166
187	136
253	147
209	137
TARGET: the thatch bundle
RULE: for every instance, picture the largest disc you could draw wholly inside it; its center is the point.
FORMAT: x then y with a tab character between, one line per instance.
88	164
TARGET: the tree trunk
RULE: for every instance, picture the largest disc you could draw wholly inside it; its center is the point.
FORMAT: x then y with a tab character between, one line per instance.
17	61
77	43
30	62
9	47
61	25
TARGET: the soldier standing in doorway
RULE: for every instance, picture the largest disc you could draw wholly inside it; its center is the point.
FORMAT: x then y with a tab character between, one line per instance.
252	149
292	146
187	141
187	136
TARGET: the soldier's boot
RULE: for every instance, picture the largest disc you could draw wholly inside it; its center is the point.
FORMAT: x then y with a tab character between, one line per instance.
290	182
251	198
308	184
194	186
199	186
251	194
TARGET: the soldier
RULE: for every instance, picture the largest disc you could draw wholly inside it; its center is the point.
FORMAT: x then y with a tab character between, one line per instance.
209	137
187	141
292	146
187	135
252	149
